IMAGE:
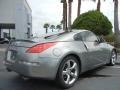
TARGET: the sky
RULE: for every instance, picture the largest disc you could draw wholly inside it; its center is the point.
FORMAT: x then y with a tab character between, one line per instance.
50	11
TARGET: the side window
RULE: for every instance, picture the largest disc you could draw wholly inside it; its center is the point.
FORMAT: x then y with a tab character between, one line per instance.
88	36
92	37
78	37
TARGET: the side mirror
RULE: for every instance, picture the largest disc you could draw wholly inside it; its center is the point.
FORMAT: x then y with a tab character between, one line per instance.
97	42
101	39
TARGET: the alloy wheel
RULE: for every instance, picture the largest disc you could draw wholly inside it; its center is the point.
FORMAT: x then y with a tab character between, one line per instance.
113	58
70	72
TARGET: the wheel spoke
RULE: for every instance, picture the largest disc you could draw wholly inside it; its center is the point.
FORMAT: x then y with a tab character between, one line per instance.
74	66
68	79
70	71
64	72
113	57
68	64
114	60
73	75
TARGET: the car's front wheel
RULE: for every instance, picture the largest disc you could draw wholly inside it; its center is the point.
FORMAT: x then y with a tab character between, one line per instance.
113	58
68	72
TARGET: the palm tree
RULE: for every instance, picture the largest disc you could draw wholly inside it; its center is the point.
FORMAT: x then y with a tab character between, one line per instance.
70	13
98	4
52	27
116	22
58	27
64	14
79	7
46	26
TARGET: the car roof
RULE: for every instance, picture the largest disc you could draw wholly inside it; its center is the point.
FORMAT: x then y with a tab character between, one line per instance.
65	35
70	35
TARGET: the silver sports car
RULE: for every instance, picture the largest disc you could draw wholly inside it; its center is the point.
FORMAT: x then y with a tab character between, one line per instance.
61	57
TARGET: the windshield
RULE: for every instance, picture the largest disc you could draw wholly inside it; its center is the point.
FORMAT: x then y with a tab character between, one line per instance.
54	36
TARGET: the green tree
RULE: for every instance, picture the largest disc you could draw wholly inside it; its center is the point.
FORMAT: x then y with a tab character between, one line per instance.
116	23
58	27
52	27
94	21
46	26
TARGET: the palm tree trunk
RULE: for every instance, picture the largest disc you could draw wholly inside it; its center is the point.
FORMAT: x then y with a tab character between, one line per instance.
0	32
46	30
65	15
116	23
69	16
79	7
66	29
98	5
52	30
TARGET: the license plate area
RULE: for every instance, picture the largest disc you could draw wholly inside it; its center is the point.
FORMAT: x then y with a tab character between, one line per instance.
11	55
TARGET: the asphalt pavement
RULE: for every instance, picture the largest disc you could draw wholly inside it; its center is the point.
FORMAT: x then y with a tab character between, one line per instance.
102	78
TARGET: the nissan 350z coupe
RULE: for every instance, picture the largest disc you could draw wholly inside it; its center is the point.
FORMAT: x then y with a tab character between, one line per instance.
61	57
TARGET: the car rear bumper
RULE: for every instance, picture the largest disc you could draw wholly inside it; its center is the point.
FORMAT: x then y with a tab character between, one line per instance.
46	68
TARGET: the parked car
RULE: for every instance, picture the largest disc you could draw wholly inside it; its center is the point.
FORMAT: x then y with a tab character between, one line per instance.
61	57
4	41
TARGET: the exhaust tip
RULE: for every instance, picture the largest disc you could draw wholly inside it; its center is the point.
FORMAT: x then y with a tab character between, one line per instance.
8	70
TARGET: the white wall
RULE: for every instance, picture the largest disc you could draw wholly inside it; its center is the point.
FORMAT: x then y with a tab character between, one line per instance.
7	11
16	11
22	13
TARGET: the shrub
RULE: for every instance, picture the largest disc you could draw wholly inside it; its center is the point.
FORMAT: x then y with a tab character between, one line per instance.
94	21
110	38
118	50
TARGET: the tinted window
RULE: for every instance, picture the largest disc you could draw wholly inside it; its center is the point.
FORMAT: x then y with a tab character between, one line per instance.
55	35
78	37
88	36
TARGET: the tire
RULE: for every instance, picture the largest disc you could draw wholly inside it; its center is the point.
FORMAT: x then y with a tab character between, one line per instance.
68	72
113	58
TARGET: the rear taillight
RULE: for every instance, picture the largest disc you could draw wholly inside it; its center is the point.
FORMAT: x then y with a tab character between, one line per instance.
40	47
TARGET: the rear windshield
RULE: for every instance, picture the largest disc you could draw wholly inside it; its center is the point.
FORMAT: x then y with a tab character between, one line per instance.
55	36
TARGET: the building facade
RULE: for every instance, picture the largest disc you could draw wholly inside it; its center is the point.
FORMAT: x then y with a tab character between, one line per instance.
15	19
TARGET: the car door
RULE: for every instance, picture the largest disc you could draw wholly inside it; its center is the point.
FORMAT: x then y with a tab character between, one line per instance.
82	51
105	50
94	51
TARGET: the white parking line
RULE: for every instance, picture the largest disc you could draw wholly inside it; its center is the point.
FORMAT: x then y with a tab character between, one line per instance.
115	67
